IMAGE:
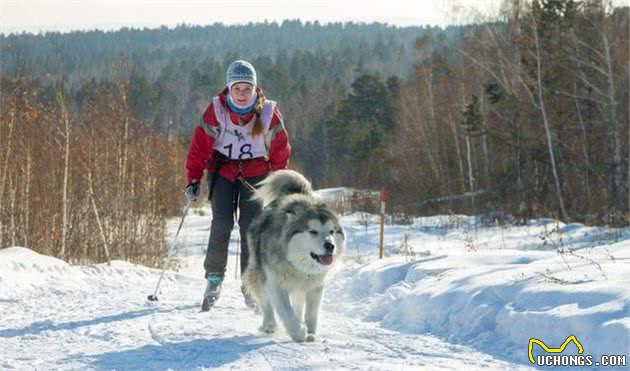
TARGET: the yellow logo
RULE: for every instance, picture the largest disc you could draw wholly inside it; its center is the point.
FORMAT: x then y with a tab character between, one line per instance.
533	341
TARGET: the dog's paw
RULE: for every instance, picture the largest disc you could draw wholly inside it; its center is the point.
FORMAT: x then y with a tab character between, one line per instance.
299	335
268	328
311	338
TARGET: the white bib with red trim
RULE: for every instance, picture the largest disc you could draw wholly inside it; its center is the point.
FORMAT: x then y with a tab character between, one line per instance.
236	141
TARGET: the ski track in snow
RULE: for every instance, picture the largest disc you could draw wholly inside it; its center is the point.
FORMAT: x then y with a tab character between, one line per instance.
104	322
97	317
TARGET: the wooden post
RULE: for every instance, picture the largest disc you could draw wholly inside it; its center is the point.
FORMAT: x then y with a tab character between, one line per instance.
381	251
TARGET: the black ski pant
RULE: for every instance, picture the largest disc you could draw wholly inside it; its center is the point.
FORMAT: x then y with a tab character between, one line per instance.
227	197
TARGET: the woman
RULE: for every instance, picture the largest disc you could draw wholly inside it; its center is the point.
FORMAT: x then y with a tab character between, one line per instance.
241	139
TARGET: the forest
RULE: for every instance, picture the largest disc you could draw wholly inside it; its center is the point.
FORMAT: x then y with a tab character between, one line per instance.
524	115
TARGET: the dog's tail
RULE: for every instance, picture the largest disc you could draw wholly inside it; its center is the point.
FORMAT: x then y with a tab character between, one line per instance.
282	183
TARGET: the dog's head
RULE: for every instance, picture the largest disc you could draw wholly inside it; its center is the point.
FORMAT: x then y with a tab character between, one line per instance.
315	239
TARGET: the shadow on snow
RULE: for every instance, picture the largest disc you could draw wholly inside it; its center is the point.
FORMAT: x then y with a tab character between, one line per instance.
180	355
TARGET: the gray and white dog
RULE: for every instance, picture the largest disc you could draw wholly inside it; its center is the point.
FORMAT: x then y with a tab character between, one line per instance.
294	241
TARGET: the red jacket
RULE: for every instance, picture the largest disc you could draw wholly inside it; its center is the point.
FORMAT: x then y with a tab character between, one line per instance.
200	155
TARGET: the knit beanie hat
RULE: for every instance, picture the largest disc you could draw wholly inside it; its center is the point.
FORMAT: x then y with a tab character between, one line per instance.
240	71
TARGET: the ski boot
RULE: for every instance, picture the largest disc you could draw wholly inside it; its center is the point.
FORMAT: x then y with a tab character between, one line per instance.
211	295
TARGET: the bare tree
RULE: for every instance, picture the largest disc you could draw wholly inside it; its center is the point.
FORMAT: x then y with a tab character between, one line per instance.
596	72
65	203
543	111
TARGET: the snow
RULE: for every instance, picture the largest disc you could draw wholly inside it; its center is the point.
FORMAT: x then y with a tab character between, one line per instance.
454	292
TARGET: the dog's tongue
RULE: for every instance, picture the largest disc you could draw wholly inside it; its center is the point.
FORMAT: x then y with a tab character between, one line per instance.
326	259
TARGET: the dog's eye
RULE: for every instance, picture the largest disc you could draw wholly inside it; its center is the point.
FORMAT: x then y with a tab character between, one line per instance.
331	232
313	232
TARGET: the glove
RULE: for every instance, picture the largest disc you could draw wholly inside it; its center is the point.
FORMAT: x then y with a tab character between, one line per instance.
192	190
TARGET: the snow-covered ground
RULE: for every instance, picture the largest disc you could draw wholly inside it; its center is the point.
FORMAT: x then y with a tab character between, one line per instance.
495	287
451	294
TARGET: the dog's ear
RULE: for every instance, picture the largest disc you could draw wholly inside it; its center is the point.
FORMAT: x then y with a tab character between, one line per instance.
290	213
293	211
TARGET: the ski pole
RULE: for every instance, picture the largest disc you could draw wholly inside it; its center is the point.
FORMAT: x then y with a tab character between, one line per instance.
181	223
238	248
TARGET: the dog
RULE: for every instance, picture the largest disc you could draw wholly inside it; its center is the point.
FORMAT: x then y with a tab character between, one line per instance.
294	242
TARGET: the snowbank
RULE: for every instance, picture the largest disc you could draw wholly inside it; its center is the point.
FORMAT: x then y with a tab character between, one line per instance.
25	273
497	290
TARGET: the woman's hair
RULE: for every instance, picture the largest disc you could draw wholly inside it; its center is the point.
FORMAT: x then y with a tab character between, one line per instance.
260	102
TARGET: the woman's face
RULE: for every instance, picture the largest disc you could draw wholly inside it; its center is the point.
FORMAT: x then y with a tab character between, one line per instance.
242	93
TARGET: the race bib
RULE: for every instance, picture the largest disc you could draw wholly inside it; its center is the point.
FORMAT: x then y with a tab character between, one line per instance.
236	141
